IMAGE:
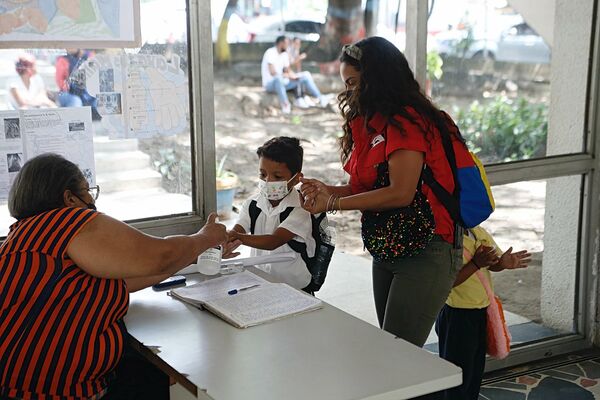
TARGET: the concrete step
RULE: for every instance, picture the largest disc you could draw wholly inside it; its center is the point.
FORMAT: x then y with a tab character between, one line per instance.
106	145
107	162
128	180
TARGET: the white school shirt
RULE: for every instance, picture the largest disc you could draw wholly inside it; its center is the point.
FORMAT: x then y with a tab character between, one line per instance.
36	88
279	61
294	273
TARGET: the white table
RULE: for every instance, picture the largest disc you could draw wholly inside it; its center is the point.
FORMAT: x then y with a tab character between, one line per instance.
325	354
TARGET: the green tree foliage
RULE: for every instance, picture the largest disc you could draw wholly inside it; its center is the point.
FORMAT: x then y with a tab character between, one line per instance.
504	130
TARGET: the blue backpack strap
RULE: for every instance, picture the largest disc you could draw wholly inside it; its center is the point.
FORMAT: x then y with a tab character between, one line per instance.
254	212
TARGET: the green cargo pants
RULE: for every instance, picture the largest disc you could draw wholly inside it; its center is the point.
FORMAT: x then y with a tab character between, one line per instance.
409	292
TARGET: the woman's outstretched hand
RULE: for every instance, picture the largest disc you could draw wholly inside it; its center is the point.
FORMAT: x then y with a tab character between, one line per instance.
314	195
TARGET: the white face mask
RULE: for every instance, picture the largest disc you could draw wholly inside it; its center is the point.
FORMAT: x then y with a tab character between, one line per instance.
274	190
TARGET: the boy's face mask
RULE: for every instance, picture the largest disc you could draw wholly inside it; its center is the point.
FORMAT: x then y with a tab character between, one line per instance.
275	190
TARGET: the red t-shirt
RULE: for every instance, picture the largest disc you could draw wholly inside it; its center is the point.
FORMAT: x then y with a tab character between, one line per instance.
372	148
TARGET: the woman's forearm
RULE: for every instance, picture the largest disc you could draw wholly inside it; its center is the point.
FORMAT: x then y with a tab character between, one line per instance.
343	191
380	199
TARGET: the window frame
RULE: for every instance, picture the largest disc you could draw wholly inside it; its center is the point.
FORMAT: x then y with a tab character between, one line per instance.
202	128
584	163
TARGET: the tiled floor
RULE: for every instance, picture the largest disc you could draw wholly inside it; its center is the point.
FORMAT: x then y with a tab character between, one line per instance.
576	377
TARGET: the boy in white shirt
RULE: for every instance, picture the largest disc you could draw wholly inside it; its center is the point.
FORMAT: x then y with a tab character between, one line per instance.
281	217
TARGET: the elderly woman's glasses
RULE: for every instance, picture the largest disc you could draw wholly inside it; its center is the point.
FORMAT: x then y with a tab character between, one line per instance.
94	191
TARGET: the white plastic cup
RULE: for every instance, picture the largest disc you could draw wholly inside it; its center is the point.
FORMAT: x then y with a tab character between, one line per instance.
209	262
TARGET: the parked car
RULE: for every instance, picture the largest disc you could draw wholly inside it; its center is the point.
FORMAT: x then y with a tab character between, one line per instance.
268	29
519	43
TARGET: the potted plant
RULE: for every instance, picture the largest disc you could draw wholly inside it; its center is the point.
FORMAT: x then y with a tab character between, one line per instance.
227	183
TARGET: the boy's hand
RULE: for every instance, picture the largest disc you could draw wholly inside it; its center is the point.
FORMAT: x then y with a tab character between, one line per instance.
510	260
485	256
232	243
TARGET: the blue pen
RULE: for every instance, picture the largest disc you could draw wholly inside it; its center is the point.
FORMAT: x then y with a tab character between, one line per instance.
235	291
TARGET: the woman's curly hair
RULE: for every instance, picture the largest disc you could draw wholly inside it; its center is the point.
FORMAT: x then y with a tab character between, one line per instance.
386	86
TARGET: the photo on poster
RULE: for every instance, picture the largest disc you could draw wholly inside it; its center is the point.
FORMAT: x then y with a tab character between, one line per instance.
12	128
109	103
107	80
88	175
76	126
14	161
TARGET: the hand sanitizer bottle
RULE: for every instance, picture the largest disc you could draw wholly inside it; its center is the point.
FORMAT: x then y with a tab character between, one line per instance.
209	262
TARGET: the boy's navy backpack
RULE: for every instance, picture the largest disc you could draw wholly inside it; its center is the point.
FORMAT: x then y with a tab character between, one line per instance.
322	233
472	202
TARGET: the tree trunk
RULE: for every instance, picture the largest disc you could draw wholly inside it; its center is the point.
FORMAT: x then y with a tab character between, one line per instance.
371	17
344	24
222	51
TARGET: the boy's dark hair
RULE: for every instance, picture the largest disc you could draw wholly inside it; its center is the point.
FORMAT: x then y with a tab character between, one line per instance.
279	39
283	149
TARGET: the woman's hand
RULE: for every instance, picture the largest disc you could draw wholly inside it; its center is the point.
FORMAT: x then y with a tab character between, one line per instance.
510	260
214	233
315	195
485	256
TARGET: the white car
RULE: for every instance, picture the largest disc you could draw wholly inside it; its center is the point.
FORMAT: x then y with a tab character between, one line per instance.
519	43
268	29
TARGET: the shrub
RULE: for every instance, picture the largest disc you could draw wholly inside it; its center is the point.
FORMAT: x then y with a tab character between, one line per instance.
504	129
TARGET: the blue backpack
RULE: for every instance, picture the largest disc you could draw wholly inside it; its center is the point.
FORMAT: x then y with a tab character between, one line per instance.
471	202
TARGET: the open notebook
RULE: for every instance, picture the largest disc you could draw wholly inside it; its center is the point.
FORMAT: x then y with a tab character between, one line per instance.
253	306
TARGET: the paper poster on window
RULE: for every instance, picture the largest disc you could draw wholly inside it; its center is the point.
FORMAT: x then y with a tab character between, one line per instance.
25	134
70	23
139	95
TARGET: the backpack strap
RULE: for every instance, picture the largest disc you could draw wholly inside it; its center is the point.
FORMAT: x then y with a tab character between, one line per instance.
254	212
450	201
295	245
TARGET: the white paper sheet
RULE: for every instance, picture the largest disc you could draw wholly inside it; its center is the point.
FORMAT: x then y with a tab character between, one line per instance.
256	305
218	287
266	303
28	133
139	95
259	260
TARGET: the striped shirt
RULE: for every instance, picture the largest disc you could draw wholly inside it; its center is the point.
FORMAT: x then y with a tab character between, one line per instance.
61	329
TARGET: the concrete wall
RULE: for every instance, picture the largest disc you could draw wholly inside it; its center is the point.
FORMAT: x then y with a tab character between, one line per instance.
539	15
568	79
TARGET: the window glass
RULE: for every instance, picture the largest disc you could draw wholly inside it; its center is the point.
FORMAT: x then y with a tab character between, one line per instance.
543	218
506	72
140	118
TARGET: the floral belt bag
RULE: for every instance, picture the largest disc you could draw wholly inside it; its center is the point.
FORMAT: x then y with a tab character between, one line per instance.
399	232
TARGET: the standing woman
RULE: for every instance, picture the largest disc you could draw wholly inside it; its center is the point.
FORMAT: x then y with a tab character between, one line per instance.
392	132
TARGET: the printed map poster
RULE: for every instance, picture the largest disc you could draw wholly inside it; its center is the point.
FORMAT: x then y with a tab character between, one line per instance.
25	134
69	23
139	95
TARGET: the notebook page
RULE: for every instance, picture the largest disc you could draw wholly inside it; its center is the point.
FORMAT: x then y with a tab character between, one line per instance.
262	304
217	287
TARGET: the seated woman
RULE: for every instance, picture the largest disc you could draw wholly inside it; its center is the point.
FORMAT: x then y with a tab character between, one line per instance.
27	90
65	276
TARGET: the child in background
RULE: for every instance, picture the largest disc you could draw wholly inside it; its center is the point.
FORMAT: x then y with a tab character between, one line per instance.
461	324
280	166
